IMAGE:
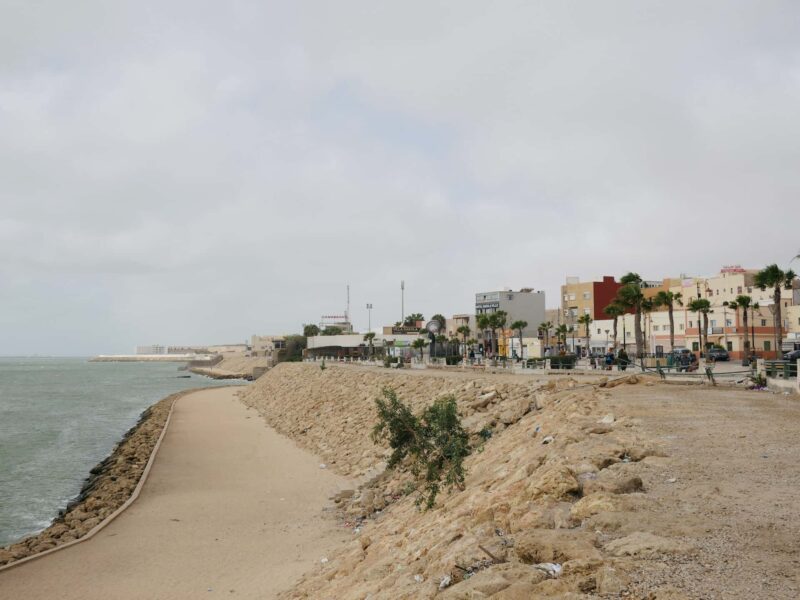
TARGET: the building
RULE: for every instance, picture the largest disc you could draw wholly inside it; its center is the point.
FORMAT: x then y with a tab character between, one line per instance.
524	305
586	298
267	346
354	345
152	349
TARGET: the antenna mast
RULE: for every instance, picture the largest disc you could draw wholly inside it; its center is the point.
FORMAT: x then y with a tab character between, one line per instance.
402	301
347	311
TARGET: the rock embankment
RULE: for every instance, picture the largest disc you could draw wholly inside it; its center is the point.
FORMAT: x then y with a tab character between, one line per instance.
108	486
555	503
234	368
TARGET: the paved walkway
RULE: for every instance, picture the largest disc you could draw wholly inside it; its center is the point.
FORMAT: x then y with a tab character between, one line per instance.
231	509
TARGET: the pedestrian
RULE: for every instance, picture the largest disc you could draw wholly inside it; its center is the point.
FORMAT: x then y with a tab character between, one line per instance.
609	359
622	357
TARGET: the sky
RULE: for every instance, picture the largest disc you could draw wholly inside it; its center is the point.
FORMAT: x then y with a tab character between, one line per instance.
193	172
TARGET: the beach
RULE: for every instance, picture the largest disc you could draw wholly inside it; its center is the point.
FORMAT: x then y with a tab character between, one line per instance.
229	506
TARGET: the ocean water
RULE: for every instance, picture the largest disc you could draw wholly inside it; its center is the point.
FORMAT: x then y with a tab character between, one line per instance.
59	417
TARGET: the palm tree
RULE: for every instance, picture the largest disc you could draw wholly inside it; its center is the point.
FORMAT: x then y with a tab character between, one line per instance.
701	306
495	321
773	277
310	330
561	334
614	310
420	344
586	320
544	329
483	325
368	337
648	306
464	331
630	296
753	308
519	326
669	299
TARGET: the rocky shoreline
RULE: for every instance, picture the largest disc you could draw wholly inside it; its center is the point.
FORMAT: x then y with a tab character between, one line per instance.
109	485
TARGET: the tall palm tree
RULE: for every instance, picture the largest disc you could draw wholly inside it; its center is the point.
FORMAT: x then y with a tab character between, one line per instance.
630	296
544	329
464	331
586	320
670	299
702	307
497	320
773	277
519	326
614	310
483	324
368	337
420	344
310	330
561	334
753	308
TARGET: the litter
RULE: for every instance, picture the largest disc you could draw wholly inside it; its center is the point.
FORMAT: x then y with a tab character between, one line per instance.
548	439
552	569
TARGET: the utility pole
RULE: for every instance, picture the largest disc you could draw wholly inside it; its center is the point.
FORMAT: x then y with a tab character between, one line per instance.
347	310
402	302
369	318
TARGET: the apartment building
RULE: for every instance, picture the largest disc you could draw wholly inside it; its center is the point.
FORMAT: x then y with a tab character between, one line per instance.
586	298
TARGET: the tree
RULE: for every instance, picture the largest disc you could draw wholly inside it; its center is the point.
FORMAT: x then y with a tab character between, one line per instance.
293	349
669	299
630	296
648	306
483	325
519	326
412	319
310	330
331	330
369	337
544	329
586	320
432	445
753	308
464	331
614	310
497	320
561	335
773	277
420	344
701	306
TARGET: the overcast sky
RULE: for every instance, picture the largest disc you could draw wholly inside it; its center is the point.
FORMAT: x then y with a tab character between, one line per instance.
196	172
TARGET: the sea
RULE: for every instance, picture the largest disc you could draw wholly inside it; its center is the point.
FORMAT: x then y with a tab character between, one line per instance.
59	417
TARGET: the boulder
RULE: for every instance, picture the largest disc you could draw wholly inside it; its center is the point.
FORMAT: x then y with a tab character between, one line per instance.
554	479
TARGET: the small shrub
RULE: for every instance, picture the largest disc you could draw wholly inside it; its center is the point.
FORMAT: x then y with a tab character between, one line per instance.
432	446
322	365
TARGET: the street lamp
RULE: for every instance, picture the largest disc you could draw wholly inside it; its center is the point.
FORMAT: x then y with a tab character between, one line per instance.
607	340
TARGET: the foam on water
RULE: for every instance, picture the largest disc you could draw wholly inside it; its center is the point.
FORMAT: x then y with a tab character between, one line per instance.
58	419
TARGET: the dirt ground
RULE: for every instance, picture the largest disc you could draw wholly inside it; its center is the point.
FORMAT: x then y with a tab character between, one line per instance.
734	457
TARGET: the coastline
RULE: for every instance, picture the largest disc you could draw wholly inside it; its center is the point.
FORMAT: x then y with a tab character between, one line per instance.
108	486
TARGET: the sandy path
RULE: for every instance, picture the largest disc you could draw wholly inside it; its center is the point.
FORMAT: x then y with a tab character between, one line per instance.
231	509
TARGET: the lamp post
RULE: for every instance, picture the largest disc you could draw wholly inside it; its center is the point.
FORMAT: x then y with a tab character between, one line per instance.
624	335
607	340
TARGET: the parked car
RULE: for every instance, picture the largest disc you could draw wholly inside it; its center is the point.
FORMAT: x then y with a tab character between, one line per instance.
718	354
793	355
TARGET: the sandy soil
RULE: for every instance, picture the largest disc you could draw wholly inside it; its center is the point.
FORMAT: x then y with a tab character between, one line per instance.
734	457
231	509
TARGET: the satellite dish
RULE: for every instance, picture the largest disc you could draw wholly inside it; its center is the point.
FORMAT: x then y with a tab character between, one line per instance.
433	326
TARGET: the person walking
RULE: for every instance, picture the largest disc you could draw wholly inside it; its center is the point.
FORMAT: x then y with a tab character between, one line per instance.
622	359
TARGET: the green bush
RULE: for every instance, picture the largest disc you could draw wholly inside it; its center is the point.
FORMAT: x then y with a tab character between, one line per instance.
567	361
432	446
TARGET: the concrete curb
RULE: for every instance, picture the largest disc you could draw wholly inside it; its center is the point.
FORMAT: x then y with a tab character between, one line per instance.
137	490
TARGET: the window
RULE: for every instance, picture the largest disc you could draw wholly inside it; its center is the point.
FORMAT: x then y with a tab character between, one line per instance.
586	311
730	346
695	346
681	326
566	296
716	292
586	295
598	331
739	289
572	296
713	322
767	346
763	322
749	290
728	323
690	324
